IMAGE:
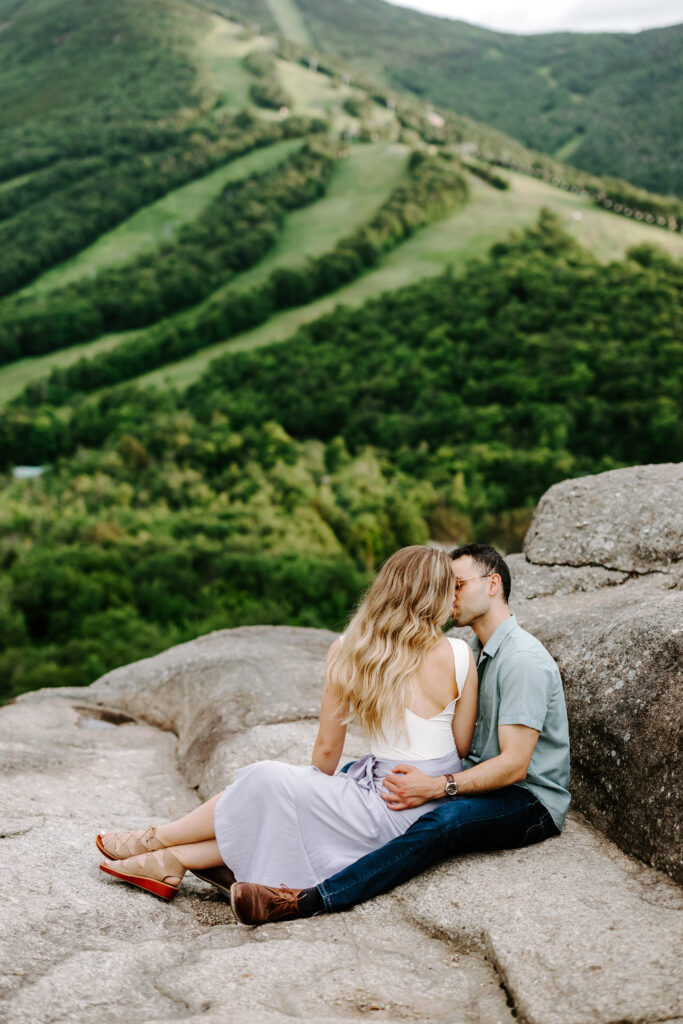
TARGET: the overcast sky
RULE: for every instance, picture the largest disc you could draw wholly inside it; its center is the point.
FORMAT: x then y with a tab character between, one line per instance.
545	16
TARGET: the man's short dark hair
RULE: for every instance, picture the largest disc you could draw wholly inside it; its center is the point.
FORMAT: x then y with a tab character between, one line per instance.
490	561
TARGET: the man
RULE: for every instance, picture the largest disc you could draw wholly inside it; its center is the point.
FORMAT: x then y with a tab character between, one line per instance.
514	789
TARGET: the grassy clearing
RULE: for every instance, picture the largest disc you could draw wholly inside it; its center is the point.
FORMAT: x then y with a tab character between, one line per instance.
359	186
491	214
7	186
605	234
155	224
312	93
452	242
220	53
290	21
566	152
16	376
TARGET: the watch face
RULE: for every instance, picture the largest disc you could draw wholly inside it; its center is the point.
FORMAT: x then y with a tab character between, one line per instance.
451	788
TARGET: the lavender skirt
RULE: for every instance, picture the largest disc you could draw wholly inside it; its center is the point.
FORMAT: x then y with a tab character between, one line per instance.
278	823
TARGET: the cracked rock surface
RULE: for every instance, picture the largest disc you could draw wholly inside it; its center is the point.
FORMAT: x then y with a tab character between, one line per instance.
627	519
573	931
567	932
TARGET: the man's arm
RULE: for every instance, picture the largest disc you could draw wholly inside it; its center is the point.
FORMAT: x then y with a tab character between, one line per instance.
409	787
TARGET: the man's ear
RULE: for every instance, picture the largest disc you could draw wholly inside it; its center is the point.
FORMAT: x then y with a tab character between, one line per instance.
495	584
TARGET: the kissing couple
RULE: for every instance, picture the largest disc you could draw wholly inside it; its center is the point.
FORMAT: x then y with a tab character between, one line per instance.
467	749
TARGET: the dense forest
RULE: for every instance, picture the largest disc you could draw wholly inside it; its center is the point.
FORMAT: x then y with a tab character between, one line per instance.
269	490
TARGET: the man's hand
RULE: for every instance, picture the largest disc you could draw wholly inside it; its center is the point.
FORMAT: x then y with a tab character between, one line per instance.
409	787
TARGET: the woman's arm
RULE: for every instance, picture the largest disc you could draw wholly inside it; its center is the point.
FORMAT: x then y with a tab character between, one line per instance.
466	710
331	732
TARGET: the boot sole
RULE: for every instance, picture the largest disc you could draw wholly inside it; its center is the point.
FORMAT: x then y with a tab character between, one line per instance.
234	908
162	889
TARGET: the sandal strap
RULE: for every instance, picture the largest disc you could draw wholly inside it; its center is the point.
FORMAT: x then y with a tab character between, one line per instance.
131	844
149	840
160	865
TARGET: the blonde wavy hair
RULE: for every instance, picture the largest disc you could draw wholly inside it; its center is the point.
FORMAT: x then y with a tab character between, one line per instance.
396	623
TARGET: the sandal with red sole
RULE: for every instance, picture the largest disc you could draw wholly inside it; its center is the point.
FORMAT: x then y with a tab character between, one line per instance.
159	873
119	846
122	845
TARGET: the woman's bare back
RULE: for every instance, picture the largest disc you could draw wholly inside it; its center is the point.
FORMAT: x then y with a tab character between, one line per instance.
434	685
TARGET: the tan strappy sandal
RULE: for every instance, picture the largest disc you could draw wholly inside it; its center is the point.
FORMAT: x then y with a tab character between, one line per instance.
159	873
121	845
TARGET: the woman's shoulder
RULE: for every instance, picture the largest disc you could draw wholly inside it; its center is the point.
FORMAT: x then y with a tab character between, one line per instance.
457	642
447	644
455	654
441	653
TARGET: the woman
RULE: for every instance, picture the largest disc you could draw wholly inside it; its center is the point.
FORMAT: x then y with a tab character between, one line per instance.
413	693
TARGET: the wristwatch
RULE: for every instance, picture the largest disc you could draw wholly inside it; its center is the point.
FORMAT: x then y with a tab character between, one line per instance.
451	787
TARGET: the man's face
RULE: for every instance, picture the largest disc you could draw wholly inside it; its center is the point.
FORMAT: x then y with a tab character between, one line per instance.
471	591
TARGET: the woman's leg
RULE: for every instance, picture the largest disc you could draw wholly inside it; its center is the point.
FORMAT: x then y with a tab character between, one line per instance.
195	856
195	827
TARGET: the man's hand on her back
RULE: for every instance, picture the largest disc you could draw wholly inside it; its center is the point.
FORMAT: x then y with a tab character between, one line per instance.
407	787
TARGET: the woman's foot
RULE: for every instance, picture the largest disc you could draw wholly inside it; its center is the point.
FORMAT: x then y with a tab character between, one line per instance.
160	872
121	845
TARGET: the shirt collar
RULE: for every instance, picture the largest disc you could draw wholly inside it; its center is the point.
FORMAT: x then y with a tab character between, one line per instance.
499	634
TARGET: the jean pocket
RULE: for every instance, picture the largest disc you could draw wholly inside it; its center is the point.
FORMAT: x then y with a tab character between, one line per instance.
540	830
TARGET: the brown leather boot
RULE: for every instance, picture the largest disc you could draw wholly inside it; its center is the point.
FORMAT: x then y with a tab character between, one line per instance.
259	904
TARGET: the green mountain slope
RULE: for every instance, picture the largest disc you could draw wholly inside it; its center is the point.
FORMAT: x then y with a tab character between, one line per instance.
451	242
179	187
609	103
266	492
110	64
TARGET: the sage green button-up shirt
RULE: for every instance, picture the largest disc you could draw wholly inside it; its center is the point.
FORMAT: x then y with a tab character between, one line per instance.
520	684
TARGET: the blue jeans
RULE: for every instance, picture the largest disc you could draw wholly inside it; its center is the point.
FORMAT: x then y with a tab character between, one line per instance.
503	819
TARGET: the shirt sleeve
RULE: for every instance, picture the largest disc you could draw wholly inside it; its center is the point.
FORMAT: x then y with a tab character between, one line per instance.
525	689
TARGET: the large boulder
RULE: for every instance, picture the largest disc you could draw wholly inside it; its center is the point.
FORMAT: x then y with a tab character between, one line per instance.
220	685
627	519
600	584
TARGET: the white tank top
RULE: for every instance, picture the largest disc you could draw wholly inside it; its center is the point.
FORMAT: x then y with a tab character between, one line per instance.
425	738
